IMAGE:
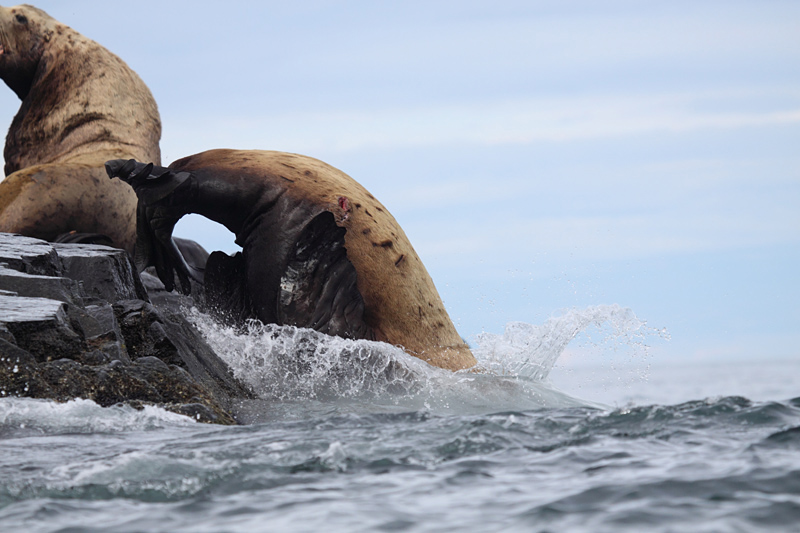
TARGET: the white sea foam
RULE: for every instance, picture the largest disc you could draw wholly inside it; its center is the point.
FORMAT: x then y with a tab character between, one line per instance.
286	363
82	416
283	363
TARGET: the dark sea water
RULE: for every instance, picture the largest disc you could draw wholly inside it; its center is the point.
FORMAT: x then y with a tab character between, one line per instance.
357	436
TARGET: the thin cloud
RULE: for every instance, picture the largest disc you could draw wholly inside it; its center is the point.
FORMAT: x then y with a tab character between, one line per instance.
601	238
483	123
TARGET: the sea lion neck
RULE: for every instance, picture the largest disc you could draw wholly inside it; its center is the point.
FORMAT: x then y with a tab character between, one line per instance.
32	66
21	80
19	68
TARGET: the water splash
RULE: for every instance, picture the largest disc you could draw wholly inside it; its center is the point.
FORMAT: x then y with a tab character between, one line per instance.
82	416
530	351
285	363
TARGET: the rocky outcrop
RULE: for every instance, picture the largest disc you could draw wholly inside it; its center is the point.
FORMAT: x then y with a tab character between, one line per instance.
76	321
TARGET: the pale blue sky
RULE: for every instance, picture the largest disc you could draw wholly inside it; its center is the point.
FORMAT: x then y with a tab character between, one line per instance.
539	155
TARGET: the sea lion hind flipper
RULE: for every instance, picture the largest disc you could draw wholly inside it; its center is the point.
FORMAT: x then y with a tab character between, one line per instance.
75	237
155	247
163	268
154	222
168	259
117	168
149	251
156	188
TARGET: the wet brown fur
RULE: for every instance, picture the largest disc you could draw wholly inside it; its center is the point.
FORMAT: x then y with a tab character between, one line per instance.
81	105
402	305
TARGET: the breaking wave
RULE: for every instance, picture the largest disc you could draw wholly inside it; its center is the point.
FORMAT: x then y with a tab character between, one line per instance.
28	415
285	363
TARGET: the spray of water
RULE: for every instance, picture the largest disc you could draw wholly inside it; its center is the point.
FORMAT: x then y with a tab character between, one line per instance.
530	351
284	363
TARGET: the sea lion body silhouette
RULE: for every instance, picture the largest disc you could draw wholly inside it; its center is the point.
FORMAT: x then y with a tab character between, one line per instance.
318	250
81	105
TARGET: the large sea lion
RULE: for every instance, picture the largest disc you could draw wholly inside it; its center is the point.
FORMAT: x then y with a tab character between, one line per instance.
318	250
81	105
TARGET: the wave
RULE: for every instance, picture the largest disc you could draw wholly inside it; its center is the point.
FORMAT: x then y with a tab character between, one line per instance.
30	415
298	372
285	363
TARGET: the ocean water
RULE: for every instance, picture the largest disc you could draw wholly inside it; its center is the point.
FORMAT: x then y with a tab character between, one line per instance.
358	436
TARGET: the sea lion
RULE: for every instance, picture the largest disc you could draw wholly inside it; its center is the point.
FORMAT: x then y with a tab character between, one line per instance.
318	250
81	105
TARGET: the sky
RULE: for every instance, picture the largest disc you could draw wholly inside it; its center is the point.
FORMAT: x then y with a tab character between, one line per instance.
541	156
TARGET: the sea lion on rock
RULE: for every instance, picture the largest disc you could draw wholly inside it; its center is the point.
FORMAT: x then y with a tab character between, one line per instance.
81	105
318	250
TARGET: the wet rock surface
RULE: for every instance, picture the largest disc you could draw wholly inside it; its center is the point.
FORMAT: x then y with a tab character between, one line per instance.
77	321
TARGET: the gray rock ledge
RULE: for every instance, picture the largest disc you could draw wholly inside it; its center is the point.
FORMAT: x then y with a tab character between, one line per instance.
76	321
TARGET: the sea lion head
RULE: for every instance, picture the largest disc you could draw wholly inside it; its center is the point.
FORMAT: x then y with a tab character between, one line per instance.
24	32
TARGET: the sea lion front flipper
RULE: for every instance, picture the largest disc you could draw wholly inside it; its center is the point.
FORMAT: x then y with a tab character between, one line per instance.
151	183
154	222
226	294
143	248
163	252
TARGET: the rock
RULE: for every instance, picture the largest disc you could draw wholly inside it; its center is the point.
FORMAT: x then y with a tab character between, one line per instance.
143	331
77	322
28	255
41	327
200	360
106	273
51	287
99	324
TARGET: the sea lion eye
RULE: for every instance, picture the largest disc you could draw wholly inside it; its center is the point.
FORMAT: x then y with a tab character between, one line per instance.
22	19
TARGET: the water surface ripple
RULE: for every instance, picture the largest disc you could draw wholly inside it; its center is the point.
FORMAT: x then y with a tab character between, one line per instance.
722	465
358	436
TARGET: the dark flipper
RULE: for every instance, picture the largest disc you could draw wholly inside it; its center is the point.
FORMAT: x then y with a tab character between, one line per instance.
74	237
225	291
156	217
151	183
194	254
